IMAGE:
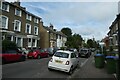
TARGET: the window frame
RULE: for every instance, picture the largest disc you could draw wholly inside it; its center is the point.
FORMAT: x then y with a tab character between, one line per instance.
19	29
27	17
35	31
29	28
20	14
36	20
6	25
8	7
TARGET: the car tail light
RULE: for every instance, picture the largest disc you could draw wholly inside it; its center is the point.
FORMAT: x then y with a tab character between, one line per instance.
51	59
67	63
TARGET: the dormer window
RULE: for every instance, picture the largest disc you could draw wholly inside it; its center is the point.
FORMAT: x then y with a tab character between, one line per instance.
28	17
5	6
18	12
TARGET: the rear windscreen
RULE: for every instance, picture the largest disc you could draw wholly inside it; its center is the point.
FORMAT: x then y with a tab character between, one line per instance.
61	54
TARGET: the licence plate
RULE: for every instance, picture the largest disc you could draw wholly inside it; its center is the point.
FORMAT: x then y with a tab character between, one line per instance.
58	61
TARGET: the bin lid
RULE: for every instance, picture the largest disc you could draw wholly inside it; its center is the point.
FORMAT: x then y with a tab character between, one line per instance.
113	57
98	54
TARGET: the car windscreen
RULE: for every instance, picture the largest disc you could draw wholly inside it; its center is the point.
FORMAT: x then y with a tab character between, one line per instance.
84	51
61	54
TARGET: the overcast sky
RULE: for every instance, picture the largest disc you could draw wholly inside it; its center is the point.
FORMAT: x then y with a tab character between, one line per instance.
87	18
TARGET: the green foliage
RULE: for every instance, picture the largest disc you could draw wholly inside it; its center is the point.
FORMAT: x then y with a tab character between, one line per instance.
7	45
66	31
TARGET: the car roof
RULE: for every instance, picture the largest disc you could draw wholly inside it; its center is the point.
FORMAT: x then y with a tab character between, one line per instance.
65	51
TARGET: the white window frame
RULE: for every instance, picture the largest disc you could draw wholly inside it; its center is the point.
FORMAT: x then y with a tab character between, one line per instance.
19	29
21	41
29	28
116	26
28	17
6	26
30	43
36	20
20	14
8	7
37	30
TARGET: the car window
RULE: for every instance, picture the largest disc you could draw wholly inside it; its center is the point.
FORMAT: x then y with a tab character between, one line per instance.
84	51
61	54
73	55
11	52
41	50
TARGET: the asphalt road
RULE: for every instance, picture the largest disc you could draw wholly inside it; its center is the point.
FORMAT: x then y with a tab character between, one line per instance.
35	68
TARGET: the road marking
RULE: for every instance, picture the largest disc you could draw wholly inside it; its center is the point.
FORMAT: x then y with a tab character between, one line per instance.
82	64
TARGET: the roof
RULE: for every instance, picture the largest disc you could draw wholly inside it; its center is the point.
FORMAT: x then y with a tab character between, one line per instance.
115	21
22	8
49	29
60	33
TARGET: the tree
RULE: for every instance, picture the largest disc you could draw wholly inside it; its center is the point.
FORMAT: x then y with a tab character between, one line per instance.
66	31
90	43
8	45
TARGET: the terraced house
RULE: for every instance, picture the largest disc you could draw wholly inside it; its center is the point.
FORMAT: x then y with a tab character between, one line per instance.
19	25
51	37
113	34
27	29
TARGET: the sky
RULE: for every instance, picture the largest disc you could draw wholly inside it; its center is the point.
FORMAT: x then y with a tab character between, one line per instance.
87	18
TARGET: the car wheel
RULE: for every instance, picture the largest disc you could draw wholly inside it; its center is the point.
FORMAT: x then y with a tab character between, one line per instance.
38	57
49	69
22	58
3	61
71	71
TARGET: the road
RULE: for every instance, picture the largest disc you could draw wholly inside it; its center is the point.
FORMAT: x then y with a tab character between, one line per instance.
34	68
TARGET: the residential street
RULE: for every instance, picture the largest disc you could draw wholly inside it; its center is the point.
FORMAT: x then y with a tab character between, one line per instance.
34	68
37	68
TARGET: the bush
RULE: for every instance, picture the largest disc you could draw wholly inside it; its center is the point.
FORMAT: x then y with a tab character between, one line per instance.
8	45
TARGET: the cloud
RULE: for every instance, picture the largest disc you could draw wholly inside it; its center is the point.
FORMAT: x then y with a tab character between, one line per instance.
85	18
65	0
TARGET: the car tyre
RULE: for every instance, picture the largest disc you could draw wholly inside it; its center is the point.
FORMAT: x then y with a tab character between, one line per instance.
3	61
39	57
22	58
71	71
49	69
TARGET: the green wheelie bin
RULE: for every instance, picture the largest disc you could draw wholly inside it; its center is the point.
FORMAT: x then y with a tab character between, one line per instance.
99	60
111	64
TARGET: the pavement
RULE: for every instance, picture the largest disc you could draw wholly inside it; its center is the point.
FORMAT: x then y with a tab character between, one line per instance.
89	71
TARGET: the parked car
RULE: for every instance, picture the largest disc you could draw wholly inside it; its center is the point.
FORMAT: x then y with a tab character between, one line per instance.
74	50
84	53
37	53
12	55
50	50
64	61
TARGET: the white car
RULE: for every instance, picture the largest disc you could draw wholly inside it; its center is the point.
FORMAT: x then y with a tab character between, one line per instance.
64	61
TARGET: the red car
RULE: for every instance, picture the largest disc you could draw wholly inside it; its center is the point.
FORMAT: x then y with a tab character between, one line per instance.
12	55
38	53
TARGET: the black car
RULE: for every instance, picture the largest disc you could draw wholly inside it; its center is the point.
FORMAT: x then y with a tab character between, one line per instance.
84	53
